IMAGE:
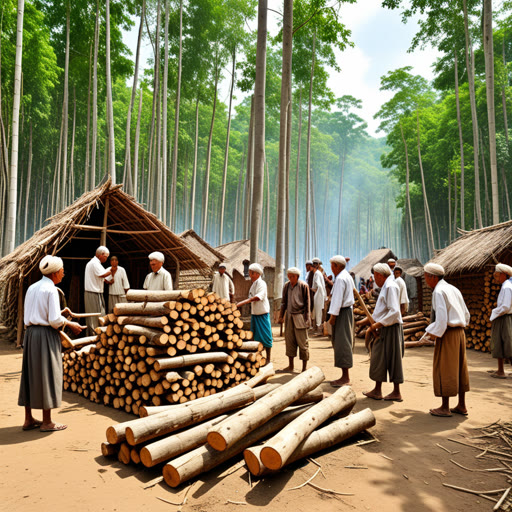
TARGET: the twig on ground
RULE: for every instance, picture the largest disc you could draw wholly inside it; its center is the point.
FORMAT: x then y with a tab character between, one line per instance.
385	456
153	482
330	491
167	501
445	449
479	448
236	502
370	441
306	482
317	464
489	470
501	500
488	498
481	454
405	476
471	491
356	467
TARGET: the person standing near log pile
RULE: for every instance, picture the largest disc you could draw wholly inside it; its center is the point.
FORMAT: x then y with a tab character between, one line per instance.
342	319
310	274
260	309
159	278
295	304
222	284
388	349
501	320
449	318
392	265
94	280
118	284
318	287
41	374
404	298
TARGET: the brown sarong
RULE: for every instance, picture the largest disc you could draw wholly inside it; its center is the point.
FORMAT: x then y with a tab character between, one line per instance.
501	337
296	338
450	373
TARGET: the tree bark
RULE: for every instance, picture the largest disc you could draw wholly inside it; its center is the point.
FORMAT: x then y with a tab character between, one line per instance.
110	107
92	178
248	175
297	175
65	117
136	150
194	169
29	176
461	144
163	164
407	194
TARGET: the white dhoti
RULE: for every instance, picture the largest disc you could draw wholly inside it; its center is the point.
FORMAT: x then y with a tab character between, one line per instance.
319	302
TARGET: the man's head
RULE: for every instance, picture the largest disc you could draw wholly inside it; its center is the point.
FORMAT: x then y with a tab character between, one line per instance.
397	271
222	268
433	274
293	274
381	271
391	263
114	262
102	253
255	271
53	268
316	263
338	263
502	273
309	265
156	260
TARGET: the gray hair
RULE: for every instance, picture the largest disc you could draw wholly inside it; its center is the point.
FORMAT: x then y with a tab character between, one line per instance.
102	250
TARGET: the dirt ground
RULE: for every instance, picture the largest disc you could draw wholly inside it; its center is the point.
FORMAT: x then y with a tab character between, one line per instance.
404	471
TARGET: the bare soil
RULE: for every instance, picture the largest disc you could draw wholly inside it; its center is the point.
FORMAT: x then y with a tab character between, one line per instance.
404	471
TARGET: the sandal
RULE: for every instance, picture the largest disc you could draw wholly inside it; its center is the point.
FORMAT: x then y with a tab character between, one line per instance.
56	428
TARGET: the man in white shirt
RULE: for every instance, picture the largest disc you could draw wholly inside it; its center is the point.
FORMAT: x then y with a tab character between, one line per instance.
501	320
449	318
260	309
159	278
318	288
342	319
222	284
388	349
95	275
404	298
41	374
118	284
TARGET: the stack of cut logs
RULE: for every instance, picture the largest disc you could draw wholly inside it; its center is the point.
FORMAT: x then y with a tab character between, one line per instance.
414	325
195	437
162	348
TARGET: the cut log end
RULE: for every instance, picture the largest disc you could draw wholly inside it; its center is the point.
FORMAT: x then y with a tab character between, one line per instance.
145	457
216	441
271	459
252	461
112	437
171	476
107	449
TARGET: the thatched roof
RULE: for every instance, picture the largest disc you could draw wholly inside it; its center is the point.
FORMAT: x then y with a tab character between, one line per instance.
74	234
364	267
235	253
201	248
477	249
411	266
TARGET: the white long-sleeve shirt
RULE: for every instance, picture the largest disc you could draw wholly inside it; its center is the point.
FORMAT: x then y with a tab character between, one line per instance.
42	305
121	283
504	304
318	285
161	280
450	309
259	289
222	285
342	295
404	298
93	270
387	309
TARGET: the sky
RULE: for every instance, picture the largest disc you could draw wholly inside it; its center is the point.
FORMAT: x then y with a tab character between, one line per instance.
381	42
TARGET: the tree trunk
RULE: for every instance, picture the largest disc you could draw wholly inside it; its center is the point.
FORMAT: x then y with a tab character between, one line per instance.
286	74
92	178
268	209
455	206
65	118
110	107
13	175
450	205
163	164
297	174
239	195
248	175
487	204
72	155
259	131
461	144
136	150
407	194
87	171
29	176
343	159
194	169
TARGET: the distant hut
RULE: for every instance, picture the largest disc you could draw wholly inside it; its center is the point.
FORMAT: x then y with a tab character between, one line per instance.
105	216
236	257
469	264
363	269
200	278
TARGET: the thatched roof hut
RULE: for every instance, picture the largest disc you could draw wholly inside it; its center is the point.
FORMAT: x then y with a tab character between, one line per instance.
200	278
412	274
105	216
364	268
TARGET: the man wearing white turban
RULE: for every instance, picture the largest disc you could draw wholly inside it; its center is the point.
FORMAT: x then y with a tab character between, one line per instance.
260	308
41	374
388	349
318	287
295	304
94	280
159	278
449	318
501	320
222	284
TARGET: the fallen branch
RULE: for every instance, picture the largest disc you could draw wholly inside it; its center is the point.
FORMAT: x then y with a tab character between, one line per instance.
502	499
470	491
330	491
306	482
153	482
479	448
236	502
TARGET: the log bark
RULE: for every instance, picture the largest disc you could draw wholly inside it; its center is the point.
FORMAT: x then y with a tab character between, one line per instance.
160	295
330	435
191	359
263	375
147	334
152	321
279	449
226	434
204	458
141	308
67	342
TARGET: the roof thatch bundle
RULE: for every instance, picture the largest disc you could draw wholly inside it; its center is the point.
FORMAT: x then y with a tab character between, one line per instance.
105	216
235	253
411	267
364	268
477	249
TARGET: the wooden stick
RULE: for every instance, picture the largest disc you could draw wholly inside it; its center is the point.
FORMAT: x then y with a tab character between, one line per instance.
502	499
471	491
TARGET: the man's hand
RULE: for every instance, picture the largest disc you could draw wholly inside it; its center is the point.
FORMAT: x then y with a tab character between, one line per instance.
75	327
280	320
375	327
332	319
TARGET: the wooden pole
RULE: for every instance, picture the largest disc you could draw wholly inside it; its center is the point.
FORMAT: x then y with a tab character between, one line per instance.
103	237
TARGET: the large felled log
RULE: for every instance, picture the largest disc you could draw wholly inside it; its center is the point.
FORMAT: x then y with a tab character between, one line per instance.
325	437
149	321
165	422
168	363
174	445
147	334
279	449
141	308
264	373
67	342
160	295
205	457
237	426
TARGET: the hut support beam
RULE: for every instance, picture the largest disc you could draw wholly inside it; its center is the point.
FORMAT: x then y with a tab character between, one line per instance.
103	239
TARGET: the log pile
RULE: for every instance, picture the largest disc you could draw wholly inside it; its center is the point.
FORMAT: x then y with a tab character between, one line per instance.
164	348
414	325
194	437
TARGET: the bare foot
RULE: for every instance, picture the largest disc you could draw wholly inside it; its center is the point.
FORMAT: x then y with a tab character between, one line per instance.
443	413
52	427
372	394
459	410
288	369
339	383
32	424
396	397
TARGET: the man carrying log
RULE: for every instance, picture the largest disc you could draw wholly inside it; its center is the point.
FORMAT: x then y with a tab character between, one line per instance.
501	320
118	284
388	349
404	298
159	278
318	288
295	304
41	374
95	275
222	284
342	319
260	308
449	318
